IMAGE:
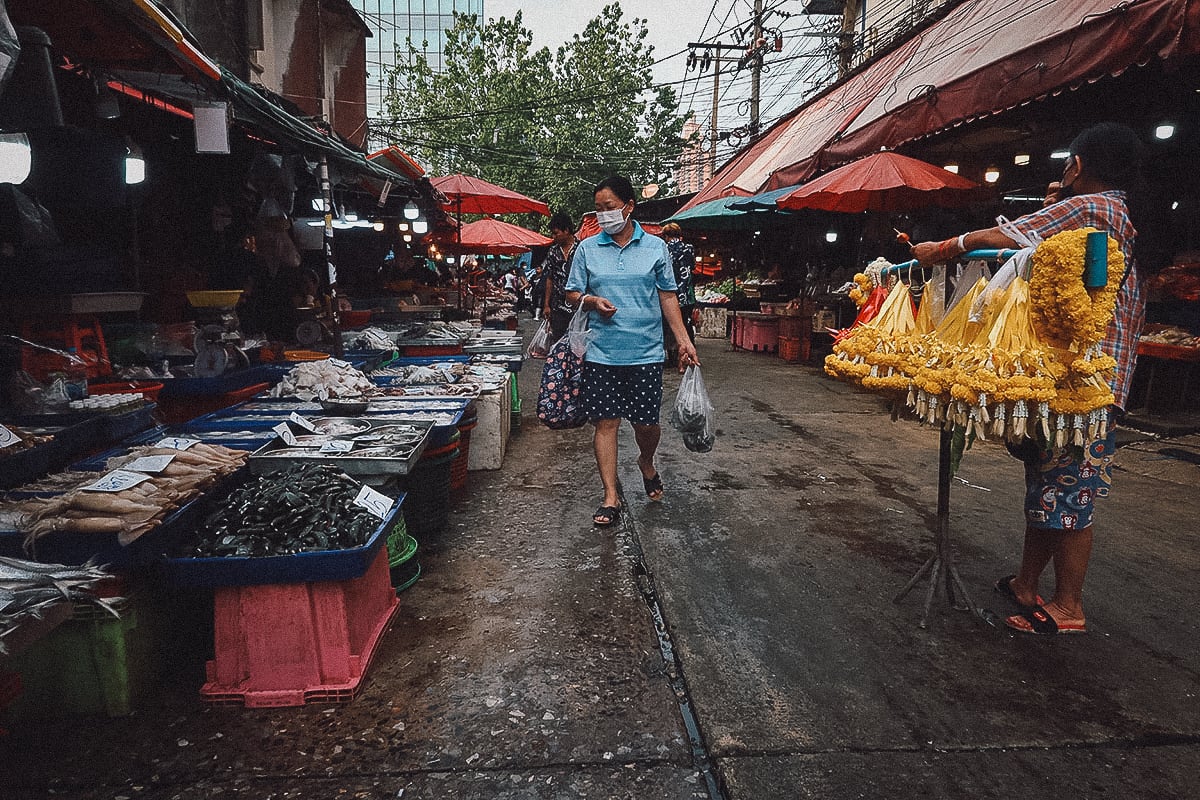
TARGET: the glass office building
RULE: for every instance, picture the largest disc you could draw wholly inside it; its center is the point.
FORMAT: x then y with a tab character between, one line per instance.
393	23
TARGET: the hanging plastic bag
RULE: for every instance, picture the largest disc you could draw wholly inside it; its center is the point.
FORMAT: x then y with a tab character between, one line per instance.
693	413
539	345
1017	264
578	334
964	284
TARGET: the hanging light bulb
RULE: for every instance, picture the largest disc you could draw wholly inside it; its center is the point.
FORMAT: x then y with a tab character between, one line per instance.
831	236
951	168
135	165
377	225
420	226
411	210
991	175
16	158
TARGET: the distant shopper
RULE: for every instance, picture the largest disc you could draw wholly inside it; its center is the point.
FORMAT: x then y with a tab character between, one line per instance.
555	269
1061	486
622	278
683	261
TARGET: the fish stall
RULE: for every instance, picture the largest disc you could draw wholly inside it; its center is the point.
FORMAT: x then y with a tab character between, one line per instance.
304	501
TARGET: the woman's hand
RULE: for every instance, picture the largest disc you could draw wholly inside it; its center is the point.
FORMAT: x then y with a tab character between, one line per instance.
602	305
687	355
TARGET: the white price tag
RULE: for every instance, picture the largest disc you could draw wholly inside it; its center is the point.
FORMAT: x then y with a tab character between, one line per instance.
149	464
7	437
337	446
116	481
376	502
337	362
302	422
177	442
286	434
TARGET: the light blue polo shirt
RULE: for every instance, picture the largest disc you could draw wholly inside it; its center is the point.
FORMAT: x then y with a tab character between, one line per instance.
630	278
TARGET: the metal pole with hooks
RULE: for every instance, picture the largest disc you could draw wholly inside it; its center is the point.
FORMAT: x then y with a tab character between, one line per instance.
939	567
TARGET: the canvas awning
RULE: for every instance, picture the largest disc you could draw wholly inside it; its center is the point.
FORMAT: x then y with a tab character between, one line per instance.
983	57
140	50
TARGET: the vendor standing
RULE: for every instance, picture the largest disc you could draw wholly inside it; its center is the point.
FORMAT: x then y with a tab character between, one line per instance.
1103	165
277	287
623	278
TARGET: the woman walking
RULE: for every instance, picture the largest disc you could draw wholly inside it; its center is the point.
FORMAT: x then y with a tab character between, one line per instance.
623	278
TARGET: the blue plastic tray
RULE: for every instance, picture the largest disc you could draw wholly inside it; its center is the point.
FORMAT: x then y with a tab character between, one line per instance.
424	361
370	358
323	565
221	384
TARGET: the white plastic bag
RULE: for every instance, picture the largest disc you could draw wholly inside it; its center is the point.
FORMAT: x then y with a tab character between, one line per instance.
580	335
539	345
693	413
1017	264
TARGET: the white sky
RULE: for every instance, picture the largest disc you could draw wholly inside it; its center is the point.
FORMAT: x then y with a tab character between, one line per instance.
671	23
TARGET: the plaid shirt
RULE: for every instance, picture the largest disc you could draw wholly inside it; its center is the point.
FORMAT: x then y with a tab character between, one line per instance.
557	268
1104	211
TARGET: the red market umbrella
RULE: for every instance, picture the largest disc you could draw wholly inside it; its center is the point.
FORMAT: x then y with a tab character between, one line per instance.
881	182
469	195
498	238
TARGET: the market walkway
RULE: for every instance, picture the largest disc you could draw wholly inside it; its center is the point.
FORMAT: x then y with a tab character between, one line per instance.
524	664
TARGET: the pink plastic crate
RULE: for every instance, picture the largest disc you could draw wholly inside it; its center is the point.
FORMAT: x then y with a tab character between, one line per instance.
760	335
296	643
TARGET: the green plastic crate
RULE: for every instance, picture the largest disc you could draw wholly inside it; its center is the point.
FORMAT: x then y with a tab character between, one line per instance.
94	663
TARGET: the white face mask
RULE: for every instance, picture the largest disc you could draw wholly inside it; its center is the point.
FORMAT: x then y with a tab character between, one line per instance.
611	222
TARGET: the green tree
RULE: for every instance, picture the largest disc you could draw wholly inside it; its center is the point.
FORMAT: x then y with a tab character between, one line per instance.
548	125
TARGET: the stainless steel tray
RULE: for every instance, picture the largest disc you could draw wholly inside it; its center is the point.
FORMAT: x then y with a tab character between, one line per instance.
275	456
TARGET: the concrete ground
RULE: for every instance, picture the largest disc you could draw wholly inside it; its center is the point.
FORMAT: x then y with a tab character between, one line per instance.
527	662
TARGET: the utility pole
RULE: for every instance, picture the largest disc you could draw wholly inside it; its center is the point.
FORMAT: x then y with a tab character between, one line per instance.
751	56
756	42
715	61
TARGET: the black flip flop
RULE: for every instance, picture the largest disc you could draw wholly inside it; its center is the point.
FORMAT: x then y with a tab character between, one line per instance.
1004	587
1037	620
653	484
606	516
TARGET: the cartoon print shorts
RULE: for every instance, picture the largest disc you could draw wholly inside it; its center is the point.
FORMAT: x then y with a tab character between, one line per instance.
1061	491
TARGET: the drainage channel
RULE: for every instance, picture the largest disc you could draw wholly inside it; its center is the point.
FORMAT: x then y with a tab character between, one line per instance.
645	581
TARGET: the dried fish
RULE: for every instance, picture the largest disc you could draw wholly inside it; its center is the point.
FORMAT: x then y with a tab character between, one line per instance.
28	589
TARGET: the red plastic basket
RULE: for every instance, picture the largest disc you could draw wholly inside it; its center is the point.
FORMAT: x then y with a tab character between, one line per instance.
297	643
413	350
176	410
355	319
793	348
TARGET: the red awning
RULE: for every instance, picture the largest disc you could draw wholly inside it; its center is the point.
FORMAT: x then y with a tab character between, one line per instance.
797	138
989	56
983	57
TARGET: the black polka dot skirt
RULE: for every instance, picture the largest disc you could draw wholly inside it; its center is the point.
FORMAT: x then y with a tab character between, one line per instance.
626	391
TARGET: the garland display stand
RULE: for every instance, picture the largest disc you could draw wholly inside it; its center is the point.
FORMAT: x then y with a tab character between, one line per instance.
939	568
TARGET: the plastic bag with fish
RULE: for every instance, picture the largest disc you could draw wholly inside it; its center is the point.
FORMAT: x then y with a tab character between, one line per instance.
693	414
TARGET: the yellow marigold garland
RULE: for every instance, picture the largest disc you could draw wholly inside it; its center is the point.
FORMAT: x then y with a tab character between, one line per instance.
1063	309
1033	367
